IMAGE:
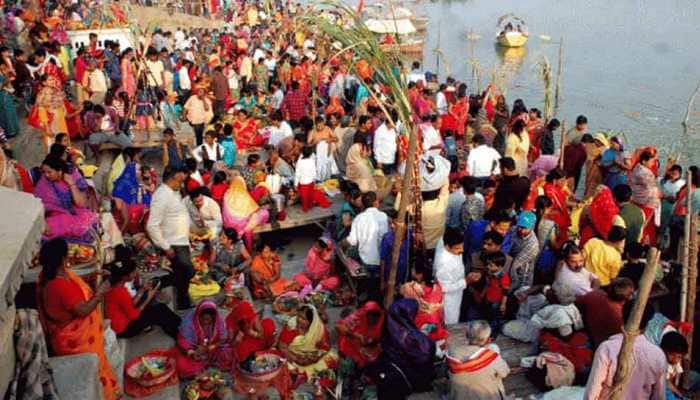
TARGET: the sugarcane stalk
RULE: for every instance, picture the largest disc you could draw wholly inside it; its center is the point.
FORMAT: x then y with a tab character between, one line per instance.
692	292
631	329
557	89
685	263
401	228
562	143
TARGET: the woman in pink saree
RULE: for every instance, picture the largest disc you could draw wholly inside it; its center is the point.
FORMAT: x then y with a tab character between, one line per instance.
241	212
65	204
319	267
203	342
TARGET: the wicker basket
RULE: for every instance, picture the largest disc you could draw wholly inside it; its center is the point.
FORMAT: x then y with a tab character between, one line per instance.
263	376
135	368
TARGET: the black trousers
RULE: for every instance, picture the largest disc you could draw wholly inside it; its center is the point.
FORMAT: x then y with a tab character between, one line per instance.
219	108
157	314
183	271
198	133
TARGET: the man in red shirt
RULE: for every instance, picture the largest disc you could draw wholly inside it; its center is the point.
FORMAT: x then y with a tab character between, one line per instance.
602	309
294	105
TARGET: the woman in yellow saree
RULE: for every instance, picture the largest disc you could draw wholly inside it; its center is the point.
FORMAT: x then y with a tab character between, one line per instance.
70	312
306	344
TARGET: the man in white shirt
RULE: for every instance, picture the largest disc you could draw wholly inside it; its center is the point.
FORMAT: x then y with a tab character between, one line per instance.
154	75
205	213
280	129
416	75
432	141
209	150
449	272
441	100
184	77
385	145
366	232
483	160
168	227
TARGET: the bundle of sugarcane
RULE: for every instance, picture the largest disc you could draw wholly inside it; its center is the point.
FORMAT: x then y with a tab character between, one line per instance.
544	72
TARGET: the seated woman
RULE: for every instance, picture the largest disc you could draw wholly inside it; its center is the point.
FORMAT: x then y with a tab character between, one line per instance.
406	364
359	334
227	255
430	316
246	132
132	196
65	205
306	344
69	312
241	212
350	208
131	314
248	331
319	267
599	217
266	274
203	342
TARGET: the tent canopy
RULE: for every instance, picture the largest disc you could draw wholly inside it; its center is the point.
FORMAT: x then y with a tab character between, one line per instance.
398	26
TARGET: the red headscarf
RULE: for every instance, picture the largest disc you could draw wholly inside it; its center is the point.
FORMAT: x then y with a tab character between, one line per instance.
597	219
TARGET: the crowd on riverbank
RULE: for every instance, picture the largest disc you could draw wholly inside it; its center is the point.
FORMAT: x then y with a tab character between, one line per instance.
498	237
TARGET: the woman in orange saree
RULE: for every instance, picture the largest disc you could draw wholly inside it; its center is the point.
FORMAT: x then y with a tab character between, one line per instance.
69	312
266	274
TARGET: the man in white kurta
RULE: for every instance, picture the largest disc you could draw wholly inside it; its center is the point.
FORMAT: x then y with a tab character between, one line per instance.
449	272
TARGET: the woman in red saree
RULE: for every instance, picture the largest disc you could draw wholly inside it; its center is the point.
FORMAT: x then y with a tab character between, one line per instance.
555	189
598	218
70	312
246	131
249	333
460	112
534	128
360	333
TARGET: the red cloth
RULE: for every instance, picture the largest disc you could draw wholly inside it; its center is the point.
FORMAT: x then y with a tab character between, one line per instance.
559	212
217	192
62	295
594	304
310	197
357	323
240	320
649	231
119	308
597	219
575	349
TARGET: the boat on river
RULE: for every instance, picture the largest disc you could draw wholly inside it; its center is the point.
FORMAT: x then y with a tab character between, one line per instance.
512	31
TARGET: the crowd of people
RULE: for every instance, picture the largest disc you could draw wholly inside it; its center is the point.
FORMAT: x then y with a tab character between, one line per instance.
507	232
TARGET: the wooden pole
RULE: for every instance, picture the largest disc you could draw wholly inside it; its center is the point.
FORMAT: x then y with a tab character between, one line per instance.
562	143
557	90
692	291
401	228
685	261
631	329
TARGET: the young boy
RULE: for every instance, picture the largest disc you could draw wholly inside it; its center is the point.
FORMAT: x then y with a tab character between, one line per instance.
229	145
173	151
248	172
675	346
489	290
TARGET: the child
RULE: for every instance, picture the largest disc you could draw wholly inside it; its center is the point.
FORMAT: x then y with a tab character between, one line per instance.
474	206
229	145
488	291
429	318
305	174
266	274
451	150
219	187
144	108
675	346
248	172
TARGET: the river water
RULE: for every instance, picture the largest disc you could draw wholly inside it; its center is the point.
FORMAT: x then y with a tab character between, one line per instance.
629	65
